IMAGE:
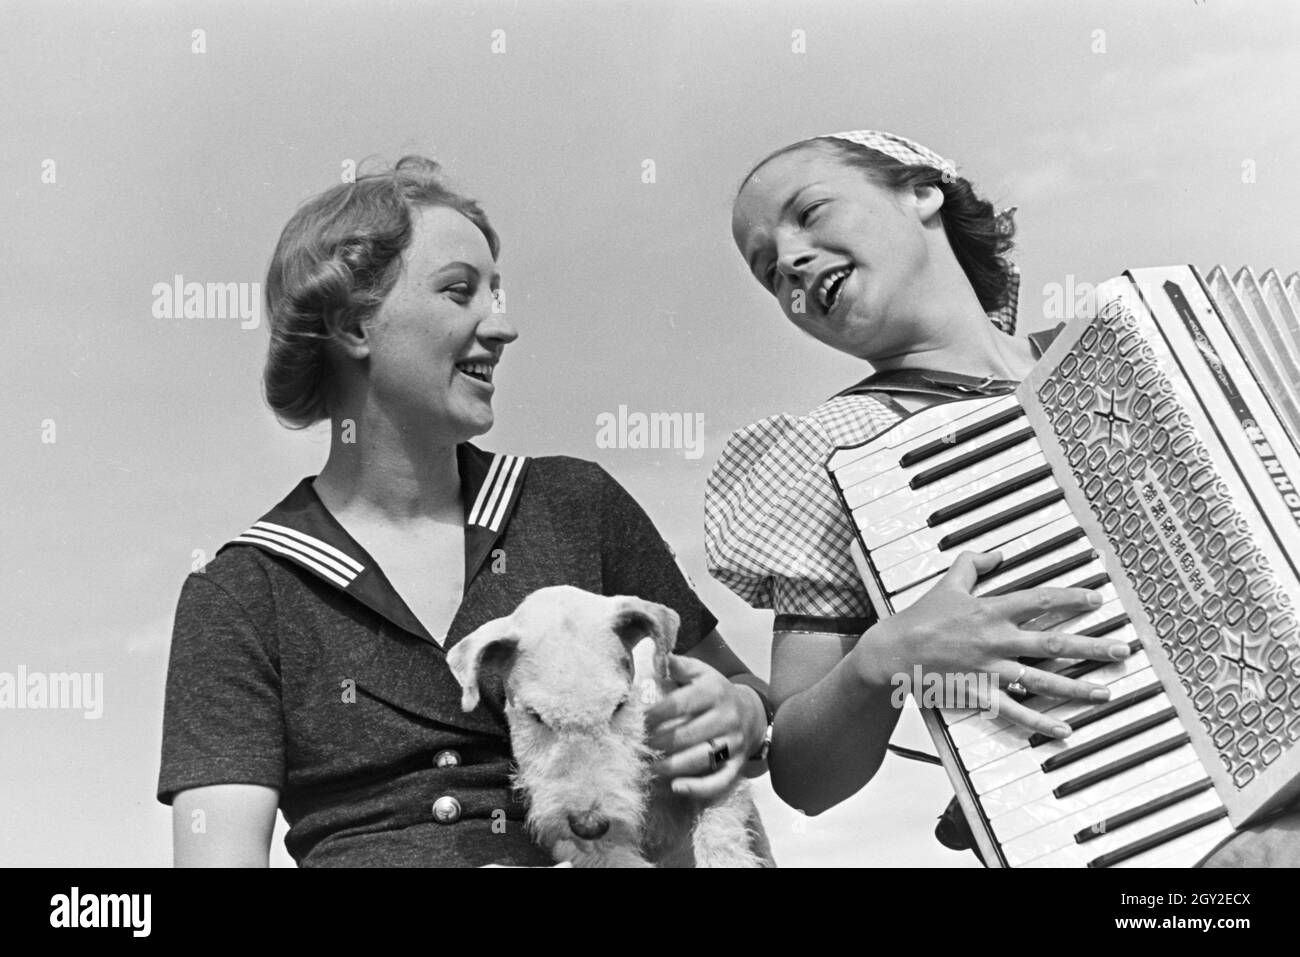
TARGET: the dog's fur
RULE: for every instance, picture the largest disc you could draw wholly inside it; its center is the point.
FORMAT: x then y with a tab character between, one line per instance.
577	673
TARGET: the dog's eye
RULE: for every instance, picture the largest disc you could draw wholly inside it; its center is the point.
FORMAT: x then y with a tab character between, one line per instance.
620	706
533	714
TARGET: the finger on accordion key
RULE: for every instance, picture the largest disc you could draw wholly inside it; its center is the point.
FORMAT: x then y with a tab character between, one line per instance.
1045	540
1097	672
995	747
969	725
1049	569
1085	667
1114	701
1032	552
1096	742
1055	621
965	727
1076	712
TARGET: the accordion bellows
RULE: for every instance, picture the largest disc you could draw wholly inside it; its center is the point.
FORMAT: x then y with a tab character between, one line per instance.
1153	453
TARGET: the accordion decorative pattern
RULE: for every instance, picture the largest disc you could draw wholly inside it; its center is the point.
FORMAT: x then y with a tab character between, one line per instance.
1208	590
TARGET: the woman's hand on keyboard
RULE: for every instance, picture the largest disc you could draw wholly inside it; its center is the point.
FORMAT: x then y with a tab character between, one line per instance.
953	634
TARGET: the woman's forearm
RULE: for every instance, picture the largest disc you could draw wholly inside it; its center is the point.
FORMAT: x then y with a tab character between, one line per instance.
829	739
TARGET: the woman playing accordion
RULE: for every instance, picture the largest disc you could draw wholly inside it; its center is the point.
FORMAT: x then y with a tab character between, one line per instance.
874	246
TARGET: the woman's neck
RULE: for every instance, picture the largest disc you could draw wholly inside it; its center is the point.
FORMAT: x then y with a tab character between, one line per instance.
955	334
979	350
380	471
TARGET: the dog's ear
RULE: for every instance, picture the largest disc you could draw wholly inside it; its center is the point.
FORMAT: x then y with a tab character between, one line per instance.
636	619
487	647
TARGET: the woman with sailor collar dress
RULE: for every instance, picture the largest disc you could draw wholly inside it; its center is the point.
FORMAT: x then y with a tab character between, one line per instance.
872	245
308	669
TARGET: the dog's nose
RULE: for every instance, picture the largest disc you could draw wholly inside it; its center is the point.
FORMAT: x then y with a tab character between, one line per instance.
588	825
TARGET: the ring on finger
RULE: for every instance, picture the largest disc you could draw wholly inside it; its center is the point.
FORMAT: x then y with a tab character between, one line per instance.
1017	687
718	754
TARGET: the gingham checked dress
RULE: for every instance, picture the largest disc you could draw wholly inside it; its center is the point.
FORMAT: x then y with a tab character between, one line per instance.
774	532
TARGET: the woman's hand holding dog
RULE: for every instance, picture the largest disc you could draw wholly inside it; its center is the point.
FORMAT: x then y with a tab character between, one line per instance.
708	711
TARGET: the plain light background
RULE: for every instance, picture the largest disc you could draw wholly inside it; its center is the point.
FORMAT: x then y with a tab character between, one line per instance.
1129	134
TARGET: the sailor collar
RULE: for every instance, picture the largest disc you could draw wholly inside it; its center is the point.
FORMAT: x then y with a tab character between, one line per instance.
300	529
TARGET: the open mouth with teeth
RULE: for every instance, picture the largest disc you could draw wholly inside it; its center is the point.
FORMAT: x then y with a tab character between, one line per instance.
482	371
828	293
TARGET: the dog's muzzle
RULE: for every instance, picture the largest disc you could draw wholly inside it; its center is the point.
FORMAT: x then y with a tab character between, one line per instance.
588	825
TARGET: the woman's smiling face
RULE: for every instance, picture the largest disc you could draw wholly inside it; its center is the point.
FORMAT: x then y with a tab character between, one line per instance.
435	342
842	255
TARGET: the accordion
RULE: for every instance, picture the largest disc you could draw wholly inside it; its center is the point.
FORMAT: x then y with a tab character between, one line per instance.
1153	453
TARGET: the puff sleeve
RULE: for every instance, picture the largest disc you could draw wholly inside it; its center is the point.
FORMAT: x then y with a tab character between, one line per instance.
774	530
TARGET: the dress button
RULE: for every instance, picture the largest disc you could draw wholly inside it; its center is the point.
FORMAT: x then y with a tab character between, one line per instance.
446	759
446	810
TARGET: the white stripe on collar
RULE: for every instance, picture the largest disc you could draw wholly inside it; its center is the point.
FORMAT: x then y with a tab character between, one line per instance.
507	461
516	467
320	557
494	496
484	489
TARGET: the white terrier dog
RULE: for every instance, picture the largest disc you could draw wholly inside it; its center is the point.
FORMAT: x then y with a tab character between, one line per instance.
577	673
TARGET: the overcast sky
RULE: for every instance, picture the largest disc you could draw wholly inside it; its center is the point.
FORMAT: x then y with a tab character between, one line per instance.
1129	134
